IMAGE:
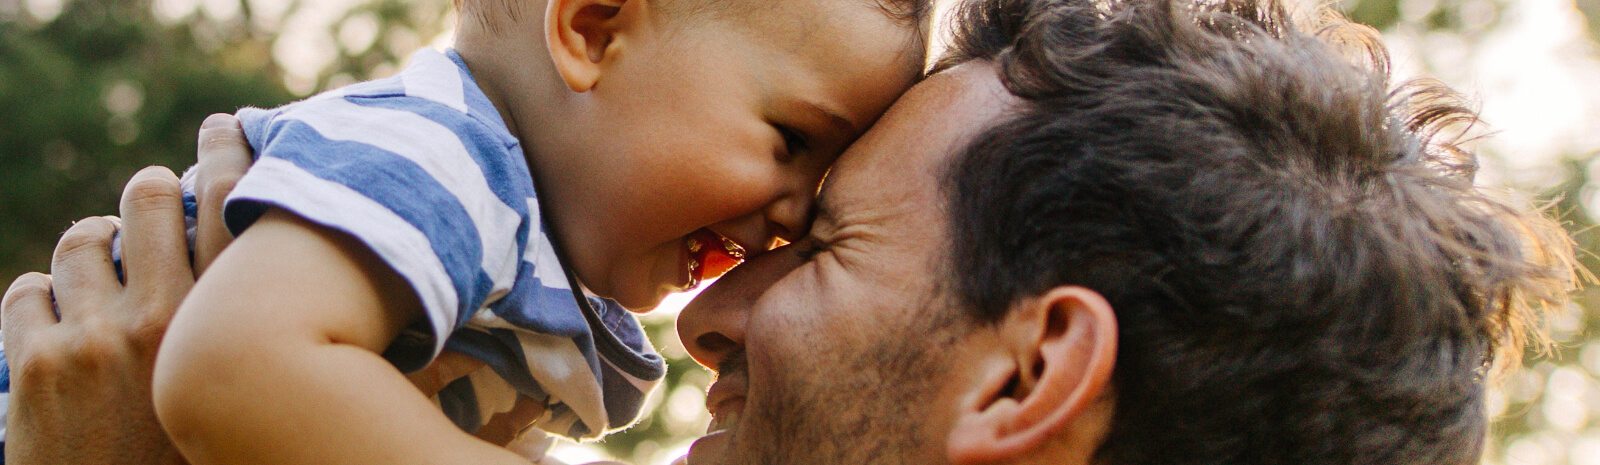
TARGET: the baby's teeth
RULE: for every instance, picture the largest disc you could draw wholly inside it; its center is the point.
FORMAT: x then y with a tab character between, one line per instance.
694	273
732	248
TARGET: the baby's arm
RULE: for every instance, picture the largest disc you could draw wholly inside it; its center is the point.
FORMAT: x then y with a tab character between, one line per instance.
274	358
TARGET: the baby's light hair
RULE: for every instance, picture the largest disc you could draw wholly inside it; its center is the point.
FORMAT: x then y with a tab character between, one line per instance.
915	13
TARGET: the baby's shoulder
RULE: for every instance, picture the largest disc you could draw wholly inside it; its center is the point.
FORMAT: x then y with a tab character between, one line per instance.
382	115
433	90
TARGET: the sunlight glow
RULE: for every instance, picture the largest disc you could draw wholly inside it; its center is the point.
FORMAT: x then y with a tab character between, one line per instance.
172	11
45	10
1533	75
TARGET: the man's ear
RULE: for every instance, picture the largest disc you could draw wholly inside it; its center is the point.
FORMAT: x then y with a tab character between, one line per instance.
1064	346
581	36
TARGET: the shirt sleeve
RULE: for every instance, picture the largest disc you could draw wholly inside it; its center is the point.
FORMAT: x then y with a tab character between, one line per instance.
413	181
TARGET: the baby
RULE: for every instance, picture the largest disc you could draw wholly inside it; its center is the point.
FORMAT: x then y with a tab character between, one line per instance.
511	199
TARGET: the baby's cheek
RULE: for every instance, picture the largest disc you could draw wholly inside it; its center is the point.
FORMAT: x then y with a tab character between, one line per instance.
745	191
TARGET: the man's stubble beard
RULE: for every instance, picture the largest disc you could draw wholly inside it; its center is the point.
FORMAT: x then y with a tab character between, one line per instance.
873	407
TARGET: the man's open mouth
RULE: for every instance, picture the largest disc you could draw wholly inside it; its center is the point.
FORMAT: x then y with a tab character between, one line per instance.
725	415
726	402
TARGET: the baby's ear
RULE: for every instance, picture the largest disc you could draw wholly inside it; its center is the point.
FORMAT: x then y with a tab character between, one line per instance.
581	36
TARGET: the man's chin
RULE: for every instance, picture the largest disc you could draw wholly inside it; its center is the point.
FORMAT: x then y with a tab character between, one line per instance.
711	449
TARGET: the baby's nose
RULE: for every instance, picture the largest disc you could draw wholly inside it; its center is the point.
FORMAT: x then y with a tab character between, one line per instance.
789	218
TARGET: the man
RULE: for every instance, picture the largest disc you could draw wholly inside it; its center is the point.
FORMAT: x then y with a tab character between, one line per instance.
1132	233
1127	232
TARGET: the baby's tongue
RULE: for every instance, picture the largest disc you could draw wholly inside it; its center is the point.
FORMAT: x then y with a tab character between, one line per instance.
718	262
714	255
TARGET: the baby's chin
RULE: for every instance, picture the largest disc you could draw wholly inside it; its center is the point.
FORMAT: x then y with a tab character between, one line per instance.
644	297
642	288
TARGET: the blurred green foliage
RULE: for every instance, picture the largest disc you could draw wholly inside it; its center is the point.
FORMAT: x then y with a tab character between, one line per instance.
105	88
64	152
92	91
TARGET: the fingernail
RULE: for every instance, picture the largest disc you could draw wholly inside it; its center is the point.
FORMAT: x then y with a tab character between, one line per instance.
219	120
157	170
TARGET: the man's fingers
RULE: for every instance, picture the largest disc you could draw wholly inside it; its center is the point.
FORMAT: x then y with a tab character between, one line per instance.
224	155
503	427
82	264
155	247
450	366
26	308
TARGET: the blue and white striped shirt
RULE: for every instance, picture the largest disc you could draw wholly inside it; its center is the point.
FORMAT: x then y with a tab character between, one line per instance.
422	170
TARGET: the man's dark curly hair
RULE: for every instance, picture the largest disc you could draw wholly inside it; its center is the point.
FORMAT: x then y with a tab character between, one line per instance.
1301	267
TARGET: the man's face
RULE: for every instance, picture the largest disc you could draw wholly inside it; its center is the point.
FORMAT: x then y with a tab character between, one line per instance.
838	348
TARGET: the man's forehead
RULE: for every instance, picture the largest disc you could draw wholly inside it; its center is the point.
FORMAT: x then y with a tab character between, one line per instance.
904	154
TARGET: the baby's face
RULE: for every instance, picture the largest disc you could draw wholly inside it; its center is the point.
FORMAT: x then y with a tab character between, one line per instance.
719	129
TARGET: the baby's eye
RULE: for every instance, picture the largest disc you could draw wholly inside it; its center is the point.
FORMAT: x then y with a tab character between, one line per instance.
794	142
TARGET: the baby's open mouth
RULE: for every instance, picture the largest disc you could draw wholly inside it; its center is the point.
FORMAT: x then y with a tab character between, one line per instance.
710	255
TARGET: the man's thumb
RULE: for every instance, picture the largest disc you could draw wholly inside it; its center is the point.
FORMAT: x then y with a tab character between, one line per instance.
450	366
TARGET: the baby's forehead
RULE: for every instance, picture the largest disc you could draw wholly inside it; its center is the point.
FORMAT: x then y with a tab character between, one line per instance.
910	13
791	22
852	52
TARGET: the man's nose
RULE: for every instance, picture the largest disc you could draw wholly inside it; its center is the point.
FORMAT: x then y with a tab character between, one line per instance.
714	324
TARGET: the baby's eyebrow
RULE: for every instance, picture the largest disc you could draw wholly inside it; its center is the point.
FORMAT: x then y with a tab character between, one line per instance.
834	117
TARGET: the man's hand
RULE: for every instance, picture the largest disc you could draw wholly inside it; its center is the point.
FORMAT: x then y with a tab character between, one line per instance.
502	428
81	344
